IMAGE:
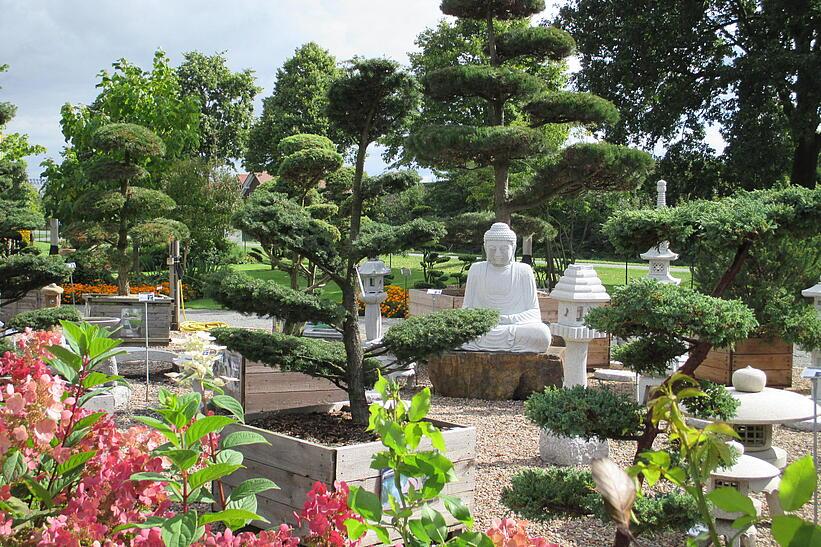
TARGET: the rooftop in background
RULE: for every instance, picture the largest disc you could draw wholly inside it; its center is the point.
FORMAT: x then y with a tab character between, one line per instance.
250	181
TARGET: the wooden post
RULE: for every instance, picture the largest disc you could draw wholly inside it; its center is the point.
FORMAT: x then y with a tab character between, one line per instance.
54	236
173	282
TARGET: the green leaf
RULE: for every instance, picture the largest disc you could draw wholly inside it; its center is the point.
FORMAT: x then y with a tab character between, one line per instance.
420	405
230	456
240	438
204	426
160	426
95	378
14	466
150	522
74	461
230	404
39	491
435	436
418	531
381	533
181	530
473	539
89	420
792	531
731	500
149	476
67	357
190	403
230	515
183	459
210	473
74	335
798	484
356	529
434	524
366	504
381	387
458	509
251	487
64	370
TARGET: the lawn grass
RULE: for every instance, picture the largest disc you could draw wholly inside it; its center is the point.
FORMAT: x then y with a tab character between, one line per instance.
611	276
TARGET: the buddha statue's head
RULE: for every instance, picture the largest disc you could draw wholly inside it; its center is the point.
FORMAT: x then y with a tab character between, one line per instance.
500	244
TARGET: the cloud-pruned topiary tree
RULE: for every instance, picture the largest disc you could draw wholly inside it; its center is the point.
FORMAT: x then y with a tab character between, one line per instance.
373	98
499	143
116	211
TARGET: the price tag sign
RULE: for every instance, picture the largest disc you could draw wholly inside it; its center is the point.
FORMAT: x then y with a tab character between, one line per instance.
71	265
434	291
146	297
811	373
406	272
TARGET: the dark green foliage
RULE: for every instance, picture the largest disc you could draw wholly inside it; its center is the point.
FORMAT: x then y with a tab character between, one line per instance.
467	146
467	230
649	356
433	278
499	9
586	412
390	182
374	95
545	493
541	494
298	104
423	335
268	298
273	218
134	142
304	168
648	308
45	318
318	358
226	101
570	107
156	231
22	273
716	404
382	239
487	82
583	167
540	42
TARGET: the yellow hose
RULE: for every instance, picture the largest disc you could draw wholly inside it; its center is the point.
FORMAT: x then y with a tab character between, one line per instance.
195	326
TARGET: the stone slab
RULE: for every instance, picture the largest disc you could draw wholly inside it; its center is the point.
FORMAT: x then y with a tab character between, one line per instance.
614	375
558	450
494	375
116	399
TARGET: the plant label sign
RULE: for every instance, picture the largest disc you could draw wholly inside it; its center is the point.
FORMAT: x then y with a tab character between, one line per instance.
435	291
146	297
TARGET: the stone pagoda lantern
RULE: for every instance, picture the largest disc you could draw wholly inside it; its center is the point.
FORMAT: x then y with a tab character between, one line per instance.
52	296
372	278
814	292
760	408
661	256
578	290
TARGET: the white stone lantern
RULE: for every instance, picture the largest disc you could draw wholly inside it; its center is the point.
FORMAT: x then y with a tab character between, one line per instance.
814	292
372	278
661	256
578	290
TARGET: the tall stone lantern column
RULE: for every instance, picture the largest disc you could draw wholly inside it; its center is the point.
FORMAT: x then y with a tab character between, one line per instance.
372	278
661	256
578	290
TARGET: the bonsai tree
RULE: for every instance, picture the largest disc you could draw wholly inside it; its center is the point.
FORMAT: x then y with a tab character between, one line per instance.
506	89
307	160
116	210
371	99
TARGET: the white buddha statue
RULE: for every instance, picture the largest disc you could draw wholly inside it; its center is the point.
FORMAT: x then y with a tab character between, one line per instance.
510	287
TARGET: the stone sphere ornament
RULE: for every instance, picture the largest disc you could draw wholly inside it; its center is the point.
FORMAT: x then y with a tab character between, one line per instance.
749	380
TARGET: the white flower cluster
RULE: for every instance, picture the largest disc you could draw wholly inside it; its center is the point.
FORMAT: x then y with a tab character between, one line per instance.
196	363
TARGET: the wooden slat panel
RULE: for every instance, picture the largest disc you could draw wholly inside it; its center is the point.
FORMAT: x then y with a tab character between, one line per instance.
292	487
283	382
294	455
264	402
763	346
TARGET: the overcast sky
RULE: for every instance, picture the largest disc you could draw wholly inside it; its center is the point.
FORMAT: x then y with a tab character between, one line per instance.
55	48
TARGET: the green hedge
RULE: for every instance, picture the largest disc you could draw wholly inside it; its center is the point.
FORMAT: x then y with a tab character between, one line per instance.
44	319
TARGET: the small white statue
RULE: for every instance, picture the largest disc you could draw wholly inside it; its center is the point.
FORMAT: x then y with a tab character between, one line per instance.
510	287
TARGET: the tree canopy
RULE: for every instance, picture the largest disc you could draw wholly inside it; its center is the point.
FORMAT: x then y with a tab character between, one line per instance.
226	101
298	104
671	68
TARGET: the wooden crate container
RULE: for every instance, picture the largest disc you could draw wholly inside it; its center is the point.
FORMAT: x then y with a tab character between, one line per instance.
131	313
772	355
421	303
295	465
262	388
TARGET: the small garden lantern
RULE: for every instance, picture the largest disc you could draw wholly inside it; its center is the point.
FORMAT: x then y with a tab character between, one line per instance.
578	290
661	256
814	292
372	278
52	295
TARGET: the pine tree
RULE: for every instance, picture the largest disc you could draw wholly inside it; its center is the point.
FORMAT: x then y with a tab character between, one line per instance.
499	143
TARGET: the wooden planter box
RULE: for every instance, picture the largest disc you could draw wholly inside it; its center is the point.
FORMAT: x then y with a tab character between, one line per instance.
772	355
421	303
295	465
262	388
131	313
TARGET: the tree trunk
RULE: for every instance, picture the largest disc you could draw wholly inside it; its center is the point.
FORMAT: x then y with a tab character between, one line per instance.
123	267
354	352
805	159
356	198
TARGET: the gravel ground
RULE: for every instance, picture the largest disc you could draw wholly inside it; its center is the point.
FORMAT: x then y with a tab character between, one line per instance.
506	443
